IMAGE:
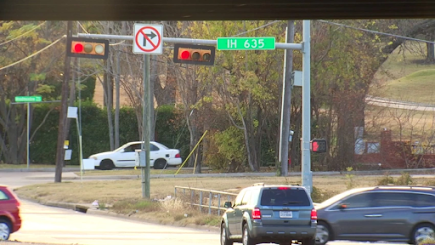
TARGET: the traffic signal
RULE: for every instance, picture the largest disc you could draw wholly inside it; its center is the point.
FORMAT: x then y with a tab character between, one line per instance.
87	48
194	54
318	145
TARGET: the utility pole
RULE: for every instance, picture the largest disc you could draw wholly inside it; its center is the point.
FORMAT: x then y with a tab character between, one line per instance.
60	152
287	85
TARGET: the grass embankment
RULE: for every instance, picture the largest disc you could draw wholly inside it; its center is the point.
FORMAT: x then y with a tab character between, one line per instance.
124	196
406	76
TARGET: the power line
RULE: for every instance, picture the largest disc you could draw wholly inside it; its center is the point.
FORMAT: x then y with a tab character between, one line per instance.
268	24
376	32
23	34
30	56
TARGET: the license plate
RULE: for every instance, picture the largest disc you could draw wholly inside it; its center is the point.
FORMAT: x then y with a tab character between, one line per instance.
285	214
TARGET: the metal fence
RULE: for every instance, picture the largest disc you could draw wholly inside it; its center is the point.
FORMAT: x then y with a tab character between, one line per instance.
204	199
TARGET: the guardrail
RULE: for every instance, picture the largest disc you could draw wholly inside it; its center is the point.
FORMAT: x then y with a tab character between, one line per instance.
197	198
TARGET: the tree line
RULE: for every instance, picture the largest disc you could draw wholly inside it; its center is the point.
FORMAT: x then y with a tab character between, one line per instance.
238	100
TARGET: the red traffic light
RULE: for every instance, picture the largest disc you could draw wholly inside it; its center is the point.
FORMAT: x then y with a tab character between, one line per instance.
88	48
185	55
78	47
194	54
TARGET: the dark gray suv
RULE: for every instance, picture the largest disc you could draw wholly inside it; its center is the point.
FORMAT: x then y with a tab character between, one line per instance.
384	213
263	213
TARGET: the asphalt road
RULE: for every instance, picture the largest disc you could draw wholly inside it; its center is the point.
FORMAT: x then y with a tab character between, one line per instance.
43	224
48	225
62	226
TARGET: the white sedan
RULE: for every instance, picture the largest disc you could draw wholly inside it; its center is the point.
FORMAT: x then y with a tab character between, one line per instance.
160	156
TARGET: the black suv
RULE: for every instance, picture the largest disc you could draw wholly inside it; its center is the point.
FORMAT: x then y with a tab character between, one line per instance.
263	213
383	213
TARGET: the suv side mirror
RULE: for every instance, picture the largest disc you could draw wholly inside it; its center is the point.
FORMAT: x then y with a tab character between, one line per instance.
228	205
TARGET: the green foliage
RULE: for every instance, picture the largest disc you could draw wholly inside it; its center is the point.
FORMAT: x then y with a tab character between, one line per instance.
404	179
386	180
87	89
171	129
350	183
95	137
318	196
229	150
136	205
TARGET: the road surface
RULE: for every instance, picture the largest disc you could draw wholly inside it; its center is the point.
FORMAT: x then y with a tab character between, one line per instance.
42	224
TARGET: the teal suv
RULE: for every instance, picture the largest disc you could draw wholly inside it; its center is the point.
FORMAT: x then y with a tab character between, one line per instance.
263	213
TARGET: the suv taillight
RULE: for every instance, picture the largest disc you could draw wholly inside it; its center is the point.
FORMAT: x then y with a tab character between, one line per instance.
256	213
314	214
177	155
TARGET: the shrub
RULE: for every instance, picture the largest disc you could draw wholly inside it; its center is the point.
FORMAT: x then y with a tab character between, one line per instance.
350	183
404	179
386	180
318	196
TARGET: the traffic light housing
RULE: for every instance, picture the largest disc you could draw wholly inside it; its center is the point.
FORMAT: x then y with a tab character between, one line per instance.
87	48
318	145
194	54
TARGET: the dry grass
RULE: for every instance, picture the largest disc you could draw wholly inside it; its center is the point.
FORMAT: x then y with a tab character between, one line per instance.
111	192
15	166
124	196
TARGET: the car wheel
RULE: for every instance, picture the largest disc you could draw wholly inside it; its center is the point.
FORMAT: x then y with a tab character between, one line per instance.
246	239
224	236
160	164
5	229
107	164
323	233
309	241
423	232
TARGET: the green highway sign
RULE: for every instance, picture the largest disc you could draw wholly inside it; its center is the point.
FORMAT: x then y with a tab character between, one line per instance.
36	98
245	43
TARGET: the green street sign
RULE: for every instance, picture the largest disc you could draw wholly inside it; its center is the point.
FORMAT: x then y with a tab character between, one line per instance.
245	43
36	98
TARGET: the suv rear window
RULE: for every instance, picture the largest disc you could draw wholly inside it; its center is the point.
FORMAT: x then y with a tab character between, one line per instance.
284	197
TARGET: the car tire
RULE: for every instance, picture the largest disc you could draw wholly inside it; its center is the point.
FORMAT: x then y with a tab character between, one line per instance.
224	236
323	233
422	232
107	164
246	238
5	229
160	164
309	241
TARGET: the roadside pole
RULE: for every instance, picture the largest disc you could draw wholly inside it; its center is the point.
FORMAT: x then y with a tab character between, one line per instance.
146	123
307	176
287	85
28	100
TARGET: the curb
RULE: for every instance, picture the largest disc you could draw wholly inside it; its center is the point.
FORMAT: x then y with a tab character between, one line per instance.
87	209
